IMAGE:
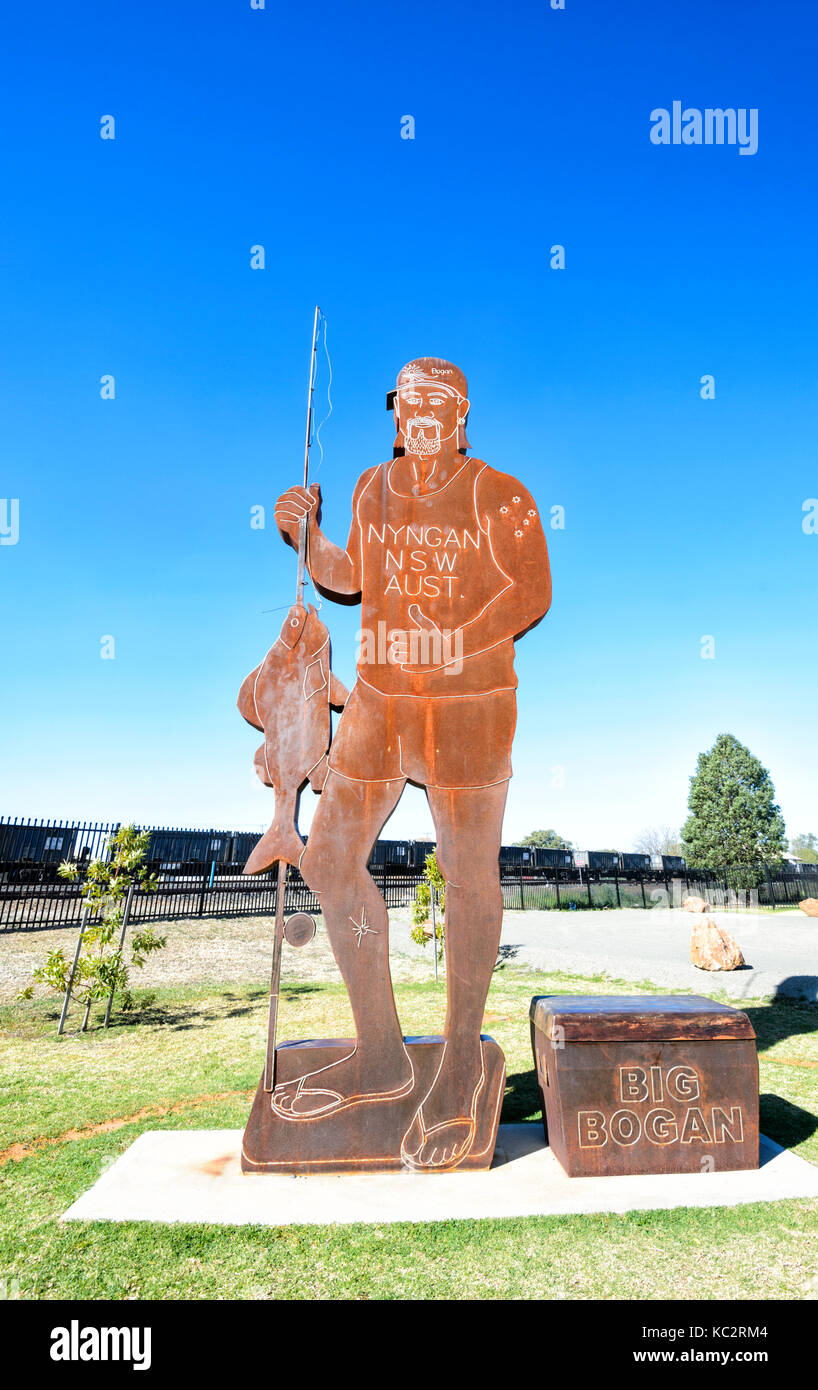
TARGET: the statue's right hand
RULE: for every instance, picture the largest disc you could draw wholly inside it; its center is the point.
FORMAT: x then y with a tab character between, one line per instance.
295	503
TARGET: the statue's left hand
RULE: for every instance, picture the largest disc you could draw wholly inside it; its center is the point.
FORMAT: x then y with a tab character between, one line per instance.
407	646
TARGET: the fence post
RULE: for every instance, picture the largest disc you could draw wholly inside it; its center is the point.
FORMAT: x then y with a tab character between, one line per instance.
522	894
202	893
642	881
557	882
616	881
590	899
126	912
771	886
73	971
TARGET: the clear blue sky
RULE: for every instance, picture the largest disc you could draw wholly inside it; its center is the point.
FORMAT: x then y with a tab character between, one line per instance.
236	127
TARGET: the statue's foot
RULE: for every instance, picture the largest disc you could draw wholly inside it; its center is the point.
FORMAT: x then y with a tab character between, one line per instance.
442	1132
354	1080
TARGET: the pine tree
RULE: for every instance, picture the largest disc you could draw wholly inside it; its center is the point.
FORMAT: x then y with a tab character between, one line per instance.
734	819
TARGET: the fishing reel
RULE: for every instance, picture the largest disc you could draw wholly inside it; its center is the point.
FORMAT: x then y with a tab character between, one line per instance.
299	929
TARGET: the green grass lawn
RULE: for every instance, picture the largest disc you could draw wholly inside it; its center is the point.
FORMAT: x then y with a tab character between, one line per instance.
190	1058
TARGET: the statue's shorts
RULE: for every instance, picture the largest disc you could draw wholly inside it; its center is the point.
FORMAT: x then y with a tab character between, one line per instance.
436	741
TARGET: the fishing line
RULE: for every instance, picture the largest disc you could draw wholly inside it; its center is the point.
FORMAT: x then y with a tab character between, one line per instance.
313	437
317	436
281	607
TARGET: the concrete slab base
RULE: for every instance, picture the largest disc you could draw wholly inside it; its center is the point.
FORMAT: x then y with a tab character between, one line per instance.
194	1176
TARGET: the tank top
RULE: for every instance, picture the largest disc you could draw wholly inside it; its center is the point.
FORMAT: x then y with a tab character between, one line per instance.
430	550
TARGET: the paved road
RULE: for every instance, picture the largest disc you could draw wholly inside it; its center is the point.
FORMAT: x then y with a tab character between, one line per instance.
781	949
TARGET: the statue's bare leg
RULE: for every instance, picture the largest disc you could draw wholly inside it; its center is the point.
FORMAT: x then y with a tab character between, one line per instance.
347	821
468	824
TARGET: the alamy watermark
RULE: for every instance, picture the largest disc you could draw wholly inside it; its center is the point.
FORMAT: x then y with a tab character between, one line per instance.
76	1343
431	647
9	520
725	899
713	125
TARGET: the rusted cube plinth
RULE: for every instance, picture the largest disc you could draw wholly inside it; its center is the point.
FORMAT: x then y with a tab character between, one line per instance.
645	1084
365	1136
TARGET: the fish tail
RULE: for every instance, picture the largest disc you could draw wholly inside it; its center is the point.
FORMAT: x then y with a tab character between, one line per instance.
281	841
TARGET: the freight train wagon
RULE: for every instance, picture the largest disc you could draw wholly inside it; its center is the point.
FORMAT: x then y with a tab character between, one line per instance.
170	849
553	859
596	860
668	863
36	844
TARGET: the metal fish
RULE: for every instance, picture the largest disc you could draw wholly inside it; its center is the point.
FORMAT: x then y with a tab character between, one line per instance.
288	697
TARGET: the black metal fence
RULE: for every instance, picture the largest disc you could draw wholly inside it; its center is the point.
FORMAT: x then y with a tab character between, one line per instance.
223	891
208	881
215	891
724	889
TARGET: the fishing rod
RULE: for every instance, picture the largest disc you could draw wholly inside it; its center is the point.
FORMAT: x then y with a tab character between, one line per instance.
302	525
281	880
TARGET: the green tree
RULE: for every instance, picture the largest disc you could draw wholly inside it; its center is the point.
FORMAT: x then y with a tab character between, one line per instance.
102	967
545	839
734	820
432	882
805	847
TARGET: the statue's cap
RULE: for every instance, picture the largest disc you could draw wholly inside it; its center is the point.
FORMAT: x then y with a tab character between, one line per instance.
431	371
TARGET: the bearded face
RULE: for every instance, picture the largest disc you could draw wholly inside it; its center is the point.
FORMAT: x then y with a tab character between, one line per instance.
428	416
422	435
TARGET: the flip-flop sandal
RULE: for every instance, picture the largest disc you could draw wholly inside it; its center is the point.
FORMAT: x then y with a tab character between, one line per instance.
335	1102
410	1159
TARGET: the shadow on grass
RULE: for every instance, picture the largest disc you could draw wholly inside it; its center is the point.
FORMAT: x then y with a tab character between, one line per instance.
799	987
148	1011
785	1017
522	1100
784	1122
181	1016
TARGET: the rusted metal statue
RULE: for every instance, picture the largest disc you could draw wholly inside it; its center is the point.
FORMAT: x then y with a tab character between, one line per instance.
450	561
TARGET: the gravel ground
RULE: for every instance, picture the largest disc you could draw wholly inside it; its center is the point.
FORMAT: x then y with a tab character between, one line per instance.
781	950
215	950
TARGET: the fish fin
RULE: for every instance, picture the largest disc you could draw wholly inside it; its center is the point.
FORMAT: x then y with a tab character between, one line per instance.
247	699
260	764
314	679
338	693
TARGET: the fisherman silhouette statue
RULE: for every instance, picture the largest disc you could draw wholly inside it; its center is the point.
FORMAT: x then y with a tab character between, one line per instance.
449	560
